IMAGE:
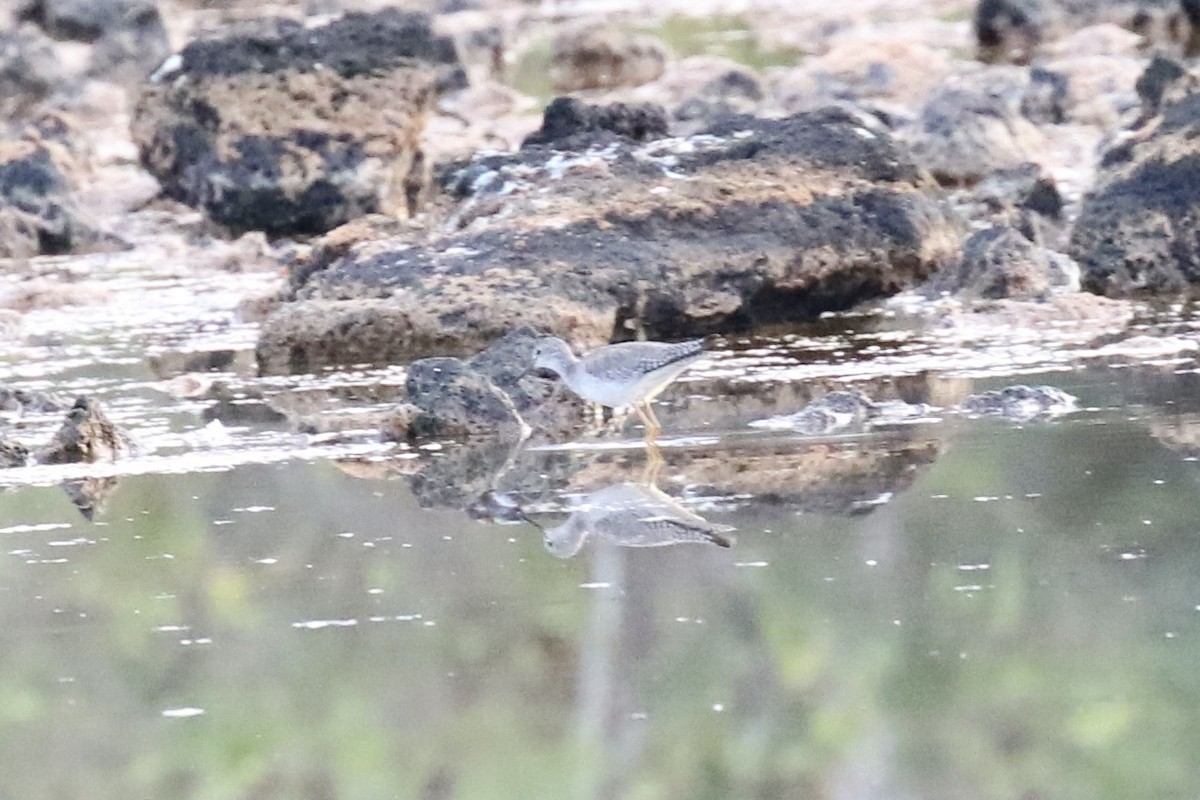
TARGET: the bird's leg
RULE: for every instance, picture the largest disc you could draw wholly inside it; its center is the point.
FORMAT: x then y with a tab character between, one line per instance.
641	412
654	462
653	428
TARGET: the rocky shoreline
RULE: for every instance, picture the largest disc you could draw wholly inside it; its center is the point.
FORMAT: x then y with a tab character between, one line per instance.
1029	164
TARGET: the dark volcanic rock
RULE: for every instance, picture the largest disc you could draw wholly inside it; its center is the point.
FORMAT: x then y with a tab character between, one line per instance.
1026	187
975	125
83	20
128	36
571	124
22	401
1162	75
38	216
1012	30
29	71
753	223
12	454
1000	262
492	394
1191	13
87	435
455	400
737	90
297	130
1044	99
1008	30
1136	233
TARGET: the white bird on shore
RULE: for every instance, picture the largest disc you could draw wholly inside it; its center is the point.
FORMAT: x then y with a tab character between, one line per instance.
619	375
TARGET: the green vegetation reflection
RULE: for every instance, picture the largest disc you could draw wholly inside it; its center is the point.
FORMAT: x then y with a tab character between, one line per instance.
1010	627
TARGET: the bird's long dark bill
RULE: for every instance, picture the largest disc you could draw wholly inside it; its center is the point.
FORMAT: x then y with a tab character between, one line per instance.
531	521
544	373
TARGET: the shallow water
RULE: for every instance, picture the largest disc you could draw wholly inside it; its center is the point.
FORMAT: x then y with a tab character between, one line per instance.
948	607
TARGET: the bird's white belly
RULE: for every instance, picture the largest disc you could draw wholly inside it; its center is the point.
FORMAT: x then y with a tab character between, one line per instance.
616	394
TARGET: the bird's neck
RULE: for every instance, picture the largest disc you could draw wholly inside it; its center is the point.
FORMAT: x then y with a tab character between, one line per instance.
570	365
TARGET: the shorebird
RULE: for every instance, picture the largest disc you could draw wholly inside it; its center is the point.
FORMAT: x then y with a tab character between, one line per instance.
619	375
632	515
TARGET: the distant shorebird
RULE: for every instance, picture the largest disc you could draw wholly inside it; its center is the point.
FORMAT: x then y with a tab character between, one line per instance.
633	515
618	375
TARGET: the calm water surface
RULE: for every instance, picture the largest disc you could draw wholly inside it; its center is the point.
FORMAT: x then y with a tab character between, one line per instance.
944	609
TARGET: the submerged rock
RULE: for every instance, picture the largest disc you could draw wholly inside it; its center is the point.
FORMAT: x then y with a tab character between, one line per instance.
454	400
492	394
754	222
599	57
297	130
12	454
87	435
1020	403
22	401
841	411
498	479
173	363
834	411
1136	231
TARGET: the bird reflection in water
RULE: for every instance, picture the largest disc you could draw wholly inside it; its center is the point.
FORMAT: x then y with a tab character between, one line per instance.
632	515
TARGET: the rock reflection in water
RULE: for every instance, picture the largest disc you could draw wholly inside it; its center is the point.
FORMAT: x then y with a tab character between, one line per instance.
90	494
499	483
632	515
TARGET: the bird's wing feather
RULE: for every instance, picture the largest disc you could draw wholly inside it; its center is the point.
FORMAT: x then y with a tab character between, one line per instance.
634	359
628	528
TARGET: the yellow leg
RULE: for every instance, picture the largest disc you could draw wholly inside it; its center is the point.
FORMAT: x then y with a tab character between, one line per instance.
642	416
654	462
653	428
653	417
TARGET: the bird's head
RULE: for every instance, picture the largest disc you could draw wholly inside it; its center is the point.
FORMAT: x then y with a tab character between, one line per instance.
552	355
565	540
